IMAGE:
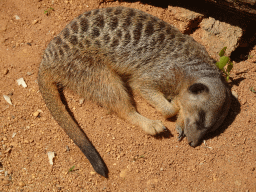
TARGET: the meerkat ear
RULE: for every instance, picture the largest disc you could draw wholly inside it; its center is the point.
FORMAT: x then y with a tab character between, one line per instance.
198	88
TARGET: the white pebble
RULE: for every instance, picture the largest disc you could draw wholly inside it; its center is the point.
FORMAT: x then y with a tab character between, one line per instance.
17	17
7	99
21	82
51	155
14	134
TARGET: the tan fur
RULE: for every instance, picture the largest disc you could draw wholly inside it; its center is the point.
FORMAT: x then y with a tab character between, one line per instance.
104	55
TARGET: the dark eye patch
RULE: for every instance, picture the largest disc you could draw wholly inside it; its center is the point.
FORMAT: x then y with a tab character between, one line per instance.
198	88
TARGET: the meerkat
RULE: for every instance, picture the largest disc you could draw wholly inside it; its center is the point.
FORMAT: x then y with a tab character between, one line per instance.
106	54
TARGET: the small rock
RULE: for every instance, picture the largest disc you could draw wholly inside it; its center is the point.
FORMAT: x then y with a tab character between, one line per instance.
5	71
26	141
8	150
21	184
7	99
13	135
17	17
51	156
108	150
243	101
161	169
34	22
35	114
122	154
4	138
92	172
81	101
21	82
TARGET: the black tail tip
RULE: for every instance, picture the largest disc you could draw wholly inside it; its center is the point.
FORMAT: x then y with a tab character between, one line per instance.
95	159
102	171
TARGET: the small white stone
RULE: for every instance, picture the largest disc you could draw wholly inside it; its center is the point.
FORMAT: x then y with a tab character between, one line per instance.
51	155
13	135
81	101
7	99
17	17
21	82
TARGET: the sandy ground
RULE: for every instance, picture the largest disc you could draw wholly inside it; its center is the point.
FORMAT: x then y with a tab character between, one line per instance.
137	162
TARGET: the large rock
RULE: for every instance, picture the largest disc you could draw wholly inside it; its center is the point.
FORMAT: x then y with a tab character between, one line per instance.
187	19
215	35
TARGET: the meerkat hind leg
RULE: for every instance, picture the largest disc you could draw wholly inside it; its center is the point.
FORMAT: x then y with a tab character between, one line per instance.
111	93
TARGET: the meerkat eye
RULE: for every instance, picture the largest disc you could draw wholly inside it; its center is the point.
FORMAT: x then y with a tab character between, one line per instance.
198	88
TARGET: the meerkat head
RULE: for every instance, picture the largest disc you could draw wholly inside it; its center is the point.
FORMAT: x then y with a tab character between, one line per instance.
204	106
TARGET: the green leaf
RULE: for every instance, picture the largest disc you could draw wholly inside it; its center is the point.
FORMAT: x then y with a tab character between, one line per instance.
223	62
222	51
227	78
217	64
229	68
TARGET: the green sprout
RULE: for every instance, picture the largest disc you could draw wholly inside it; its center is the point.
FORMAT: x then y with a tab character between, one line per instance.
250	56
48	11
224	61
71	169
138	157
252	90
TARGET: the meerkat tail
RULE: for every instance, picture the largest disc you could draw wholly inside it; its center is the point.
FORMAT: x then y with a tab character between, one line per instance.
53	101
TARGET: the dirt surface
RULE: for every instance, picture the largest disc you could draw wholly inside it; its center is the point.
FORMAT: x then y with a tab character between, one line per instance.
225	161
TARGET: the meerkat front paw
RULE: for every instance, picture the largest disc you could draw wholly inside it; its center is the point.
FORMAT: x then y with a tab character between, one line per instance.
153	127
